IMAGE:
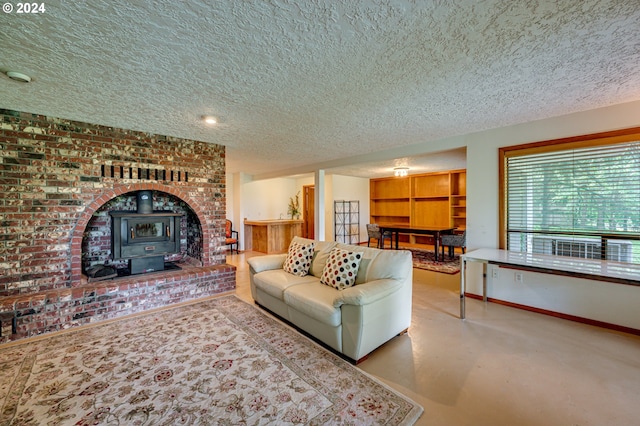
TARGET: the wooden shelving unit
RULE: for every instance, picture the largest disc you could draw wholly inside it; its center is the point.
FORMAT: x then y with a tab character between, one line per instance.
390	200
430	199
459	200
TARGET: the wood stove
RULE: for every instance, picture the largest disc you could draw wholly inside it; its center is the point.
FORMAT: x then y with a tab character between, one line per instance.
144	237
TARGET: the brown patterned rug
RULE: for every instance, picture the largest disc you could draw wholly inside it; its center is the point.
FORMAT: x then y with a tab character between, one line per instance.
424	259
220	361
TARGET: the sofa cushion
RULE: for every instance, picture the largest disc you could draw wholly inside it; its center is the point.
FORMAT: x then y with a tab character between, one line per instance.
390	264
320	254
276	281
298	258
316	301
341	269
320	257
368	254
264	263
379	264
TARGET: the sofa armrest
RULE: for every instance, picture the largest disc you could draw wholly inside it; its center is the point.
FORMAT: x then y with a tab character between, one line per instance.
366	293
267	263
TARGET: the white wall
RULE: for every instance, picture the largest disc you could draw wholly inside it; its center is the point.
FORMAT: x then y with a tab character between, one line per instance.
600	301
350	189
269	199
482	160
258	200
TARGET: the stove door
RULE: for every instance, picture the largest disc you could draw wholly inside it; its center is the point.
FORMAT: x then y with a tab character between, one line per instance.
145	236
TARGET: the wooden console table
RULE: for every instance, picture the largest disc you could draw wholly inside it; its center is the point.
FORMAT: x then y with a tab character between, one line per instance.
270	236
594	269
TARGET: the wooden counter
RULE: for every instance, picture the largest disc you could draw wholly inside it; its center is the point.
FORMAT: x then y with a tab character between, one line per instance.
270	236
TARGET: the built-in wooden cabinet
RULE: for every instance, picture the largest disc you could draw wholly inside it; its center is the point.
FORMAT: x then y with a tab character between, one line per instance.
390	200
459	200
430	199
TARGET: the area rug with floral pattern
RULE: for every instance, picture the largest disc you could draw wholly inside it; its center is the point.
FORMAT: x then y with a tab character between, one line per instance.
424	259
221	361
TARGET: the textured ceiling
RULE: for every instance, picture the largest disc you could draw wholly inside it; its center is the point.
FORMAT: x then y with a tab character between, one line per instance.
301	83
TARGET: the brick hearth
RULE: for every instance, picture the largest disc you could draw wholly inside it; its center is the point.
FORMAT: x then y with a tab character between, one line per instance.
58	179
42	312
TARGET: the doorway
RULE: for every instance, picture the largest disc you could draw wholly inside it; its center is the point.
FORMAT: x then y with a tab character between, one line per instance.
308	210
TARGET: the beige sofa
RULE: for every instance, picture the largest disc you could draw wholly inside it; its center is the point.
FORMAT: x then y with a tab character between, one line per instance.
353	321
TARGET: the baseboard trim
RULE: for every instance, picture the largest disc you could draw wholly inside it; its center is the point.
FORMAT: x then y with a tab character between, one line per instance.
560	315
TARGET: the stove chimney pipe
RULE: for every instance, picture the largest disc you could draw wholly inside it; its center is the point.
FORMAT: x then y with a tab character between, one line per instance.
145	202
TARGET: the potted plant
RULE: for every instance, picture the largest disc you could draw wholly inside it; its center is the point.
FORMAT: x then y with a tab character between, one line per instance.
294	207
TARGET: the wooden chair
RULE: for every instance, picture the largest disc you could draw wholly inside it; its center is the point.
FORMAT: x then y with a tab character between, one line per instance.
373	232
453	240
231	236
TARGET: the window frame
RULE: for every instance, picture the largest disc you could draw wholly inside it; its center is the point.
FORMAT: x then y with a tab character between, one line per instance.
562	144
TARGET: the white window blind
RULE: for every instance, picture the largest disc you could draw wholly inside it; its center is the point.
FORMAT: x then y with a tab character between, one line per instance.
582	202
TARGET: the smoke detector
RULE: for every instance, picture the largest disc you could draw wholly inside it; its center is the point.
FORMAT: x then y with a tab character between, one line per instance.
18	76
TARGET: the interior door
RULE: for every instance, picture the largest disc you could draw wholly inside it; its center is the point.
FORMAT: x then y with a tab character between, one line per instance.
308	209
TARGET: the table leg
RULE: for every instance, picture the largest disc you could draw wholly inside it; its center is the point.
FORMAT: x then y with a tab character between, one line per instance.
397	234
463	265
484	281
436	236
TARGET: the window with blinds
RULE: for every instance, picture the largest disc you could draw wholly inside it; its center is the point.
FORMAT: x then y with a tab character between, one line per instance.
582	201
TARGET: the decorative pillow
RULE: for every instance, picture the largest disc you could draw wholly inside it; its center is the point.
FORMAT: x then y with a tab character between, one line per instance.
341	269
298	259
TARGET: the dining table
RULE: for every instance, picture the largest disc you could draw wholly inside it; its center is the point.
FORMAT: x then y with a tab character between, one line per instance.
435	231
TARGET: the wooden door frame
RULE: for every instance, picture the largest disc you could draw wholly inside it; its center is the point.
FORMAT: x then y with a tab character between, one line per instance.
305	209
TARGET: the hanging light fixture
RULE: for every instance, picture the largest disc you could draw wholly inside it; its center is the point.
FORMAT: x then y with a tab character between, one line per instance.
400	171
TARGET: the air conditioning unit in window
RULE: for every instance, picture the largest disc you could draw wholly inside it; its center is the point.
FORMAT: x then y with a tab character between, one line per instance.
620	250
617	250
583	249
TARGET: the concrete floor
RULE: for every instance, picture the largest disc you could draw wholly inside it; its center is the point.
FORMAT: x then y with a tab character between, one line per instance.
501	366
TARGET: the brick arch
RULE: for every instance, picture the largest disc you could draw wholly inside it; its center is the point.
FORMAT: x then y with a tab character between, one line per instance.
109	194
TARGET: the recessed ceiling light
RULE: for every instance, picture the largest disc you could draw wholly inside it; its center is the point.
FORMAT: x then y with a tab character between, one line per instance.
209	119
17	76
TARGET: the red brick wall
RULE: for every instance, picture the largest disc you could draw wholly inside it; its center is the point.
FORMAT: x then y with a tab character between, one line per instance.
55	174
